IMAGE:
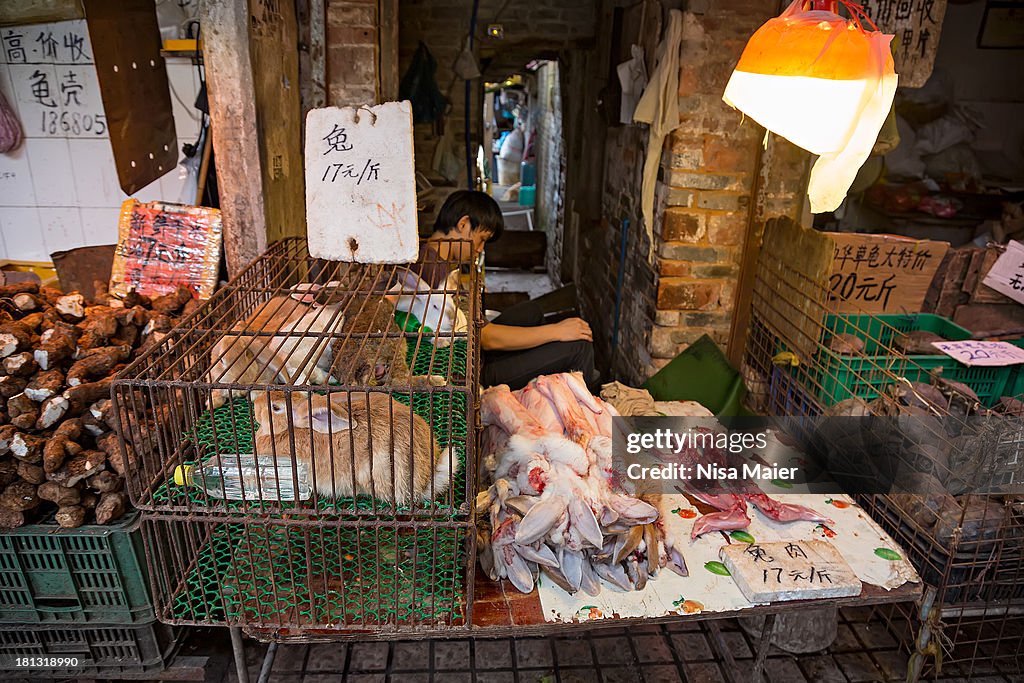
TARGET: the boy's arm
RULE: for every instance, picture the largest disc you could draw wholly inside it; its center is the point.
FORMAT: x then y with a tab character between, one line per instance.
495	337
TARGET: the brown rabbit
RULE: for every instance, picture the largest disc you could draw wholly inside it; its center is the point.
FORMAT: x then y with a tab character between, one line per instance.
374	419
373	360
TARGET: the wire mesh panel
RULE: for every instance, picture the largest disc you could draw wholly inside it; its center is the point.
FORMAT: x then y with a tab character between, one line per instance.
944	455
305	361
303	446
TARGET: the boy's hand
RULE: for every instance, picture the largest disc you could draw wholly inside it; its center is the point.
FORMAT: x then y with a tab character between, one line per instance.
572	329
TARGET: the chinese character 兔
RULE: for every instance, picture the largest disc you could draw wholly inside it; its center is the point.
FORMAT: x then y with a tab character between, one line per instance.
337	140
70	88
794	551
759	554
75	45
13	48
48	44
41	89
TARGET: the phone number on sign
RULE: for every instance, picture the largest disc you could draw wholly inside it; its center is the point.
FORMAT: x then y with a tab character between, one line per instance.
44	662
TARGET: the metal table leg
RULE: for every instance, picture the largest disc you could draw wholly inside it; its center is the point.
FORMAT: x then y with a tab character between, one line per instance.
763	646
238	648
268	664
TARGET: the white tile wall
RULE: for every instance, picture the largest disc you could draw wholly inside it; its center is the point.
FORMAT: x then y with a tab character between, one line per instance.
59	190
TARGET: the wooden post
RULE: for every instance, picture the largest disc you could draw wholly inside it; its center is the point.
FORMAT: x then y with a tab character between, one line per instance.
387	50
251	56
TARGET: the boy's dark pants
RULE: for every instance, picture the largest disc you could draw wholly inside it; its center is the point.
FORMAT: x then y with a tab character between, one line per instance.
517	368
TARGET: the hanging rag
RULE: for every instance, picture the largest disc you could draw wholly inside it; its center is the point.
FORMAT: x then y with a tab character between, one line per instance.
628	400
10	127
633	79
419	87
659	107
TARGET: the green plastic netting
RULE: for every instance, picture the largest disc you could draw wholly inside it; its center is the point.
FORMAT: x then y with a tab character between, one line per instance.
326	576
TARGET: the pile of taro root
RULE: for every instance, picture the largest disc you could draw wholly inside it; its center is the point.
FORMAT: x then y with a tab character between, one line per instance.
59	449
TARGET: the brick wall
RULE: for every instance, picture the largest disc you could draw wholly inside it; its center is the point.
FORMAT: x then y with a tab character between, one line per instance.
550	158
708	182
352	44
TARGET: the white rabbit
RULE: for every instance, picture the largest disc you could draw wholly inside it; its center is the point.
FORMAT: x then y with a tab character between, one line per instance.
436	310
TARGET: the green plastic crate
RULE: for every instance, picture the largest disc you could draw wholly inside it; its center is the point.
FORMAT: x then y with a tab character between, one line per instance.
101	651
1015	383
836	377
92	574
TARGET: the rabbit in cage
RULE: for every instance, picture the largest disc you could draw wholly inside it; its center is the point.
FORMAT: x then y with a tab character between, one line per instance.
288	357
360	359
437	311
370	433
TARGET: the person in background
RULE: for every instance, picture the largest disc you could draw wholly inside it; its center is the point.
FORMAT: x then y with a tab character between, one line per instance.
517	345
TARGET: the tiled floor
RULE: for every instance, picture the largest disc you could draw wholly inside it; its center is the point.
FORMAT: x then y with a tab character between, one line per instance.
864	650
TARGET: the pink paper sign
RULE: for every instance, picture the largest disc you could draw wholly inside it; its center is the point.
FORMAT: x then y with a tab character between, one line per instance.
988	353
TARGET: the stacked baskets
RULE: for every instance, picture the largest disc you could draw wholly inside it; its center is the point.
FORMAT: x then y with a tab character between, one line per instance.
75	602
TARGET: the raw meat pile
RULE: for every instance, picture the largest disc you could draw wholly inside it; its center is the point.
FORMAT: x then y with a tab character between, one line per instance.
553	508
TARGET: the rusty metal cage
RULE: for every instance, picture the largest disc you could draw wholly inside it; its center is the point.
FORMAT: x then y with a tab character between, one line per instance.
303	446
960	516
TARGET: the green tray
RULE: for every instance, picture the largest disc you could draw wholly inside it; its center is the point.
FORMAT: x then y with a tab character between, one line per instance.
836	377
92	574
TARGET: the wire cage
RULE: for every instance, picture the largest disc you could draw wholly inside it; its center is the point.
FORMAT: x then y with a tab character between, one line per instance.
946	482
308	435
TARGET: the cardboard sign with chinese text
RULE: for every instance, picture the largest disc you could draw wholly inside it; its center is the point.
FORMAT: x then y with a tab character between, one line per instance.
916	26
1007	274
982	353
361	184
162	246
790	570
881	273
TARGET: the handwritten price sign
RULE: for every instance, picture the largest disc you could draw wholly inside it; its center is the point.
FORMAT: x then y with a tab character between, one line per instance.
982	353
360	184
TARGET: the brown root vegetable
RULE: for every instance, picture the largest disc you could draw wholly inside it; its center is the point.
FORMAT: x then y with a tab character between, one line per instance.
21	364
92	425
101	408
33	474
19	288
52	411
28	448
8	472
89	499
135	315
70	516
33	320
7	433
127	335
117	457
105	482
191	307
71	306
19	496
23	411
27	302
133	298
51	294
100	321
11	519
55	345
158	323
98	363
55	451
44	385
61	495
78	468
14	337
111	507
12	386
100	289
83	395
173	302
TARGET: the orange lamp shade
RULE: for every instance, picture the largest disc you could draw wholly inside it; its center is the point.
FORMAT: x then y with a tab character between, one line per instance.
823	83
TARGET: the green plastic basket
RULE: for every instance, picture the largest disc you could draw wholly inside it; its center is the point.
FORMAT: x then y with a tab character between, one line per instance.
836	377
92	574
101	651
1015	382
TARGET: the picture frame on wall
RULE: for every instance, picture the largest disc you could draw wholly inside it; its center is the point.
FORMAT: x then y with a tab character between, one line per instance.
1002	26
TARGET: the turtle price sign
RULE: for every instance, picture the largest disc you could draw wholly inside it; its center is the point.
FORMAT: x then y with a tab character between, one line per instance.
790	570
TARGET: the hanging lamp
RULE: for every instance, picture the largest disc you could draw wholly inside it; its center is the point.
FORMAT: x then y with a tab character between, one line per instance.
824	83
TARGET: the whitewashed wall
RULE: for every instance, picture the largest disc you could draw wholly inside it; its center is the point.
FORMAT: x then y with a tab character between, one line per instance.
59	190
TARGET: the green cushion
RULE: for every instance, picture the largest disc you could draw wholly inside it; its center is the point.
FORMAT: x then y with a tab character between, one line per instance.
701	373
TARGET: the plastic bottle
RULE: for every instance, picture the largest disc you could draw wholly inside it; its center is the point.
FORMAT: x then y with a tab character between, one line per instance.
262	476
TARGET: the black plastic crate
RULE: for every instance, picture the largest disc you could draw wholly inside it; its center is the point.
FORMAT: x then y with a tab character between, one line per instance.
101	651
90	575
